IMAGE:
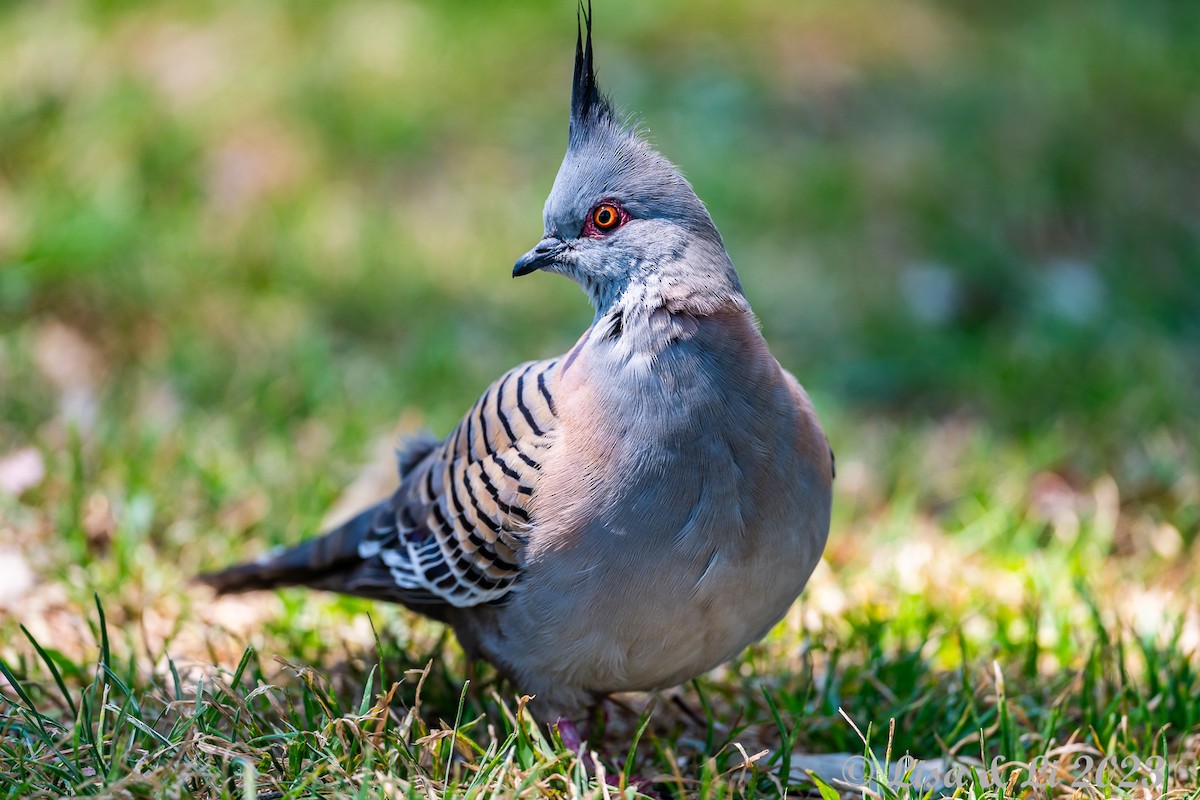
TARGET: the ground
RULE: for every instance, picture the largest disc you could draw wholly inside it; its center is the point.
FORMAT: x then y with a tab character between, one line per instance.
244	247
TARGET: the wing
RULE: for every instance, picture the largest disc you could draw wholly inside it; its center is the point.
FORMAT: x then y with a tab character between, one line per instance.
453	531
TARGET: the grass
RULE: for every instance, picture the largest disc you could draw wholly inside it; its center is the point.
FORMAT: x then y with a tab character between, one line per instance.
241	247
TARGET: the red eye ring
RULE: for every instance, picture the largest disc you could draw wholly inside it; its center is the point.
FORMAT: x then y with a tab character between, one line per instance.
605	218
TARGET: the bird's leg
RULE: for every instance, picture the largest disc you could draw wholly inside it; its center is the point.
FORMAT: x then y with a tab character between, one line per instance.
569	734
596	721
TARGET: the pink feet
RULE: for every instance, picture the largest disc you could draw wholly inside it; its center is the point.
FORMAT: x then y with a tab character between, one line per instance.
569	734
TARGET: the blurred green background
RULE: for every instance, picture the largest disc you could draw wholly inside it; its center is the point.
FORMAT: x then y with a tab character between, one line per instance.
238	242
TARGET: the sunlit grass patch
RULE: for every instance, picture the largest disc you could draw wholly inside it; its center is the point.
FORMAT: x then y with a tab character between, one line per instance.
368	718
239	733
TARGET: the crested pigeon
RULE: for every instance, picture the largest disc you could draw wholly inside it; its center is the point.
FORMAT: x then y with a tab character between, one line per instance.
631	514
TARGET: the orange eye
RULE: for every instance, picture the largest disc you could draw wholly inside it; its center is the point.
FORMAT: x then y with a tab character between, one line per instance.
605	216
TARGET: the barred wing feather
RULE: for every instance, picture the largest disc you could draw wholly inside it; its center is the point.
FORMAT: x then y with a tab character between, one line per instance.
454	530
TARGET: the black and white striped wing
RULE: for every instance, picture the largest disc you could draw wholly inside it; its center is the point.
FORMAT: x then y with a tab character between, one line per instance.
454	530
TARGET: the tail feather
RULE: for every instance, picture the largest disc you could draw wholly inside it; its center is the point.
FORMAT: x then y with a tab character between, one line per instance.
315	562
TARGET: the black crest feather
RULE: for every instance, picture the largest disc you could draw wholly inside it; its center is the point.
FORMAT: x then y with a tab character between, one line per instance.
588	104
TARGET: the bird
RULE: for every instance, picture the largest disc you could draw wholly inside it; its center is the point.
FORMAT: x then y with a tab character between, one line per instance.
626	516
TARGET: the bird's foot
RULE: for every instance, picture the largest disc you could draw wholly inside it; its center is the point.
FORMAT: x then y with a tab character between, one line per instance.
569	733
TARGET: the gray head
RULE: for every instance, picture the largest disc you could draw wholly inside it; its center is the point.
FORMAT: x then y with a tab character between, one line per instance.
620	213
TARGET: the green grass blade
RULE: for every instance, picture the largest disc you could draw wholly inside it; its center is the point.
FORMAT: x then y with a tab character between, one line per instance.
49	662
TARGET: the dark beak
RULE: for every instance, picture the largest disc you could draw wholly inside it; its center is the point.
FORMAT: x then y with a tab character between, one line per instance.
543	255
